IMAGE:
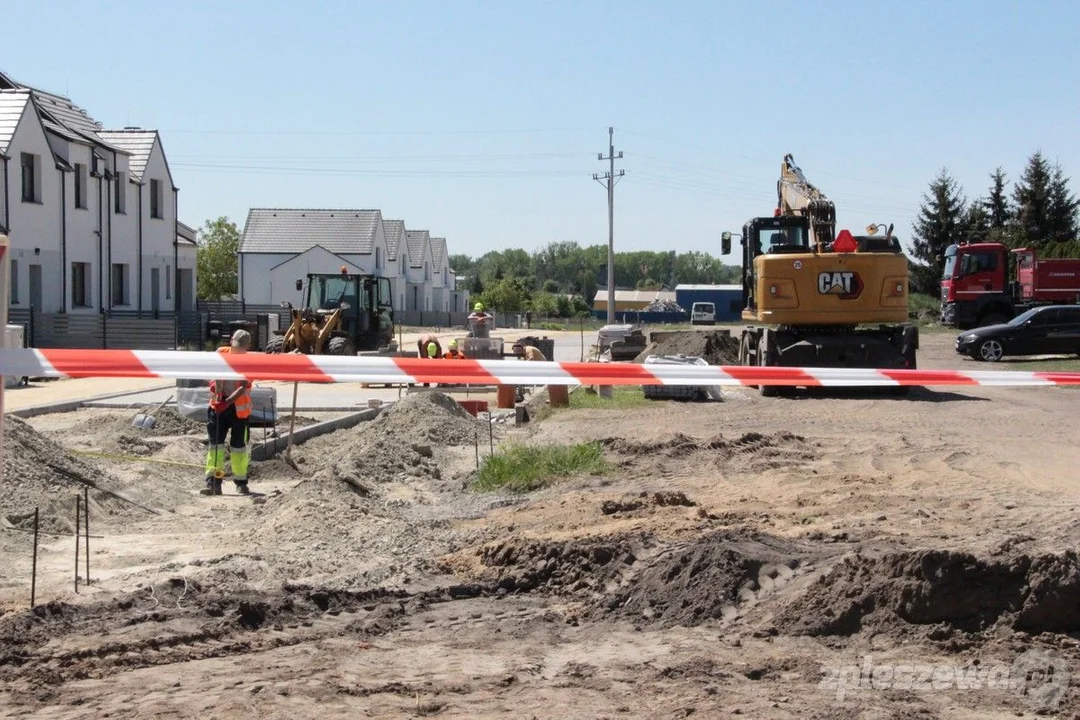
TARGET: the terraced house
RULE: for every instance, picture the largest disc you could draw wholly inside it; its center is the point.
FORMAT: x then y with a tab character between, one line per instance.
282	245
91	213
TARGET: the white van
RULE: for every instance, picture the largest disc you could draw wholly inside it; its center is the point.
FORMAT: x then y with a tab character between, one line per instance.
703	313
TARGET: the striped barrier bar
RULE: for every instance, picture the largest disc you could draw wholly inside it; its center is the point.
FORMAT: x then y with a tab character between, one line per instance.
78	363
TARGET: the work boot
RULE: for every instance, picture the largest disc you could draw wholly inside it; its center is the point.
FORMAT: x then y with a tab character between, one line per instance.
216	485
242	487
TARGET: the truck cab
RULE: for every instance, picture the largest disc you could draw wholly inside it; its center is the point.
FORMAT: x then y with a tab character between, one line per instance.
976	289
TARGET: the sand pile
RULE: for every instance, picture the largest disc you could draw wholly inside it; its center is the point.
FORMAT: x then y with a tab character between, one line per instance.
717	348
350	496
40	473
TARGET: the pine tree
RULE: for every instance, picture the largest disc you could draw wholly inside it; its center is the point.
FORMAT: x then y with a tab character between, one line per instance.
1032	203
1061	214
977	221
941	223
997	207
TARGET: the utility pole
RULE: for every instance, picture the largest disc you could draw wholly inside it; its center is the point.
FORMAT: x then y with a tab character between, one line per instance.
611	178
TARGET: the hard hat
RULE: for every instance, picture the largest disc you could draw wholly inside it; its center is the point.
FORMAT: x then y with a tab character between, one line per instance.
478	307
432	349
453	344
241	338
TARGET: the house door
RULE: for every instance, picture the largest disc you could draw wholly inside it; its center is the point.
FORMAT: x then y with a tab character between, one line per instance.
155	289
35	287
183	289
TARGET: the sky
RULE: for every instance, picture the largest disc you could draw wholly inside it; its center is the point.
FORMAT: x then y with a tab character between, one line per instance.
482	121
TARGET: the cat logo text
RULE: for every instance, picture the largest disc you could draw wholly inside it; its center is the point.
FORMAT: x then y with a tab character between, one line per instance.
845	285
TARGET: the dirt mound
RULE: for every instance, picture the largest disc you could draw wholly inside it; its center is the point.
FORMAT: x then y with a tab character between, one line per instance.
941	588
714	577
348	514
717	348
401	442
39	473
570	567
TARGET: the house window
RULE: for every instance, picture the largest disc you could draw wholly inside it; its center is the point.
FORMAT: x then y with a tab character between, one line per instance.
427	272
80	186
14	282
155	199
120	284
80	284
31	183
168	281
120	199
378	259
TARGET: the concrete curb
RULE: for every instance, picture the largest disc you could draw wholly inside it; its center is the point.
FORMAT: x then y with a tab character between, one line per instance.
69	405
270	448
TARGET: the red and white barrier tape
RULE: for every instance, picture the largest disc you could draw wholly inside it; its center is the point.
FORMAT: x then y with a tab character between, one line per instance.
378	370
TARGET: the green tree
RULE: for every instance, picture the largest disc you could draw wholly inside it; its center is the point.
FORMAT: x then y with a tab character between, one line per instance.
1031	197
977	222
511	294
1062	214
215	259
941	222
997	202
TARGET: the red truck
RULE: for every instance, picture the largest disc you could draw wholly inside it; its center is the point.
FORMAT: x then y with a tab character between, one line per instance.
976	290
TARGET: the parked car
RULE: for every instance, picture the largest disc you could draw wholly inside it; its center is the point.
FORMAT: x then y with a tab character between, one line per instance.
1047	330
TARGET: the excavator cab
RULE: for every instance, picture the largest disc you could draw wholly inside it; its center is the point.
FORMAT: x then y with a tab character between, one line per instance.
770	236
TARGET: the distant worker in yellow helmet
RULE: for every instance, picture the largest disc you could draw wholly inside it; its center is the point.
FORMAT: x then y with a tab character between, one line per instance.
453	353
422	346
480	322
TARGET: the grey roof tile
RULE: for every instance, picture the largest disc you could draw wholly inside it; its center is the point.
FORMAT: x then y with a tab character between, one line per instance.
417	241
395	235
61	115
136	142
12	106
271	230
438	254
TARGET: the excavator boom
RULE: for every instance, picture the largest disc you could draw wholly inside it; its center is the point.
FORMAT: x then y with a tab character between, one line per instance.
795	195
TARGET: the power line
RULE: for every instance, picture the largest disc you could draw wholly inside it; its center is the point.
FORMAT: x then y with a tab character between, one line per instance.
611	178
379	133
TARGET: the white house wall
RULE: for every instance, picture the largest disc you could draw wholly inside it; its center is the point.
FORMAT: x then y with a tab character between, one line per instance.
35	225
159	234
123	235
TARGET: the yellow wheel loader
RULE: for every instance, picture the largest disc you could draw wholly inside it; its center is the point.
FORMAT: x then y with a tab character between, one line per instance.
343	313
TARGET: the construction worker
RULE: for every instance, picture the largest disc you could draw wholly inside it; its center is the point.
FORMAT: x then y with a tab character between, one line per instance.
453	353
422	346
480	322
228	414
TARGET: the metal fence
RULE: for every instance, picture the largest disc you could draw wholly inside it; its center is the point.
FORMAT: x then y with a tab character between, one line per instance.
126	331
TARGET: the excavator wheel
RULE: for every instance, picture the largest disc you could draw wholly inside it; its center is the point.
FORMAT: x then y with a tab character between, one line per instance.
275	344
764	350
744	352
340	346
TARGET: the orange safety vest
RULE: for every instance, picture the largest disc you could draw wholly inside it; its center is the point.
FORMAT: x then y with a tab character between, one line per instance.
221	389
454	355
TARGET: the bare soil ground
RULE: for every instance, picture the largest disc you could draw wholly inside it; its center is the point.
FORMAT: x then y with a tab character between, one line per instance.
829	555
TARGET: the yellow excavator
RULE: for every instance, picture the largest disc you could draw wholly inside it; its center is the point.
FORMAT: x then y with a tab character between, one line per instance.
823	299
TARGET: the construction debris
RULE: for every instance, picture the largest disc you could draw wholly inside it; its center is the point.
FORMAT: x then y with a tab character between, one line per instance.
665	306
